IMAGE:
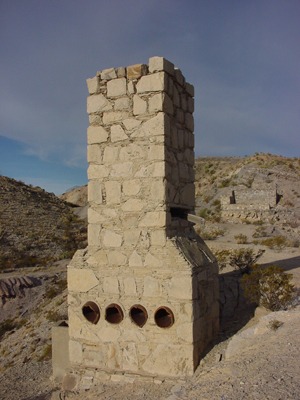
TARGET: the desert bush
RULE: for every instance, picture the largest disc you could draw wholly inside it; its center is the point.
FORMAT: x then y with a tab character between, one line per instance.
260	231
46	353
53	316
241	238
211	234
269	287
10	325
275	242
243	259
222	257
275	324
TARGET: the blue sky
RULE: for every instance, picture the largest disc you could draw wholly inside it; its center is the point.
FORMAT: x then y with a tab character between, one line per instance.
242	56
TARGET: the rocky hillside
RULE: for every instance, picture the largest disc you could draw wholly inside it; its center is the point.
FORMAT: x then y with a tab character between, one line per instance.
36	227
220	177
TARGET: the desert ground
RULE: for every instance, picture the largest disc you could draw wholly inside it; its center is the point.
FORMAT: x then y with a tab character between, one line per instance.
251	359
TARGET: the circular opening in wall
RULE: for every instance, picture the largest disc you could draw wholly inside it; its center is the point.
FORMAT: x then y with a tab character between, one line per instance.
138	315
114	314
91	312
164	317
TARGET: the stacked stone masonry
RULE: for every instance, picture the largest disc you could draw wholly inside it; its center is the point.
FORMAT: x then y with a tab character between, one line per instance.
147	279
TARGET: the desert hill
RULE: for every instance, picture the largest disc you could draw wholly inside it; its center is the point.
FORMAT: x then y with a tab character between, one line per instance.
36	227
251	359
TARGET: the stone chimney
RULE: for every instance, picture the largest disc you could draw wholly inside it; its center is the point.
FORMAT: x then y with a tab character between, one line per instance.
143	296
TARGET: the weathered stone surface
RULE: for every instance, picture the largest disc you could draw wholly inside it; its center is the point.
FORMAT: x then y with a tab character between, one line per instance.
95	192
111	239
116	87
98	103
97	171
96	134
153	219
139	105
113	192
152	83
114	116
136	71
111	285
117	134
160	64
93	84
81	280
108	74
122	103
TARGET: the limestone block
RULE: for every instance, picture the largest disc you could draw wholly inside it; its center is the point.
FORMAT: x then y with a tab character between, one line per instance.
111	154
129	285
131	123
80	328
153	219
136	71
152	261
97	103
189	122
111	117
158	238
160	64
94	234
133	205
159	169
81	280
158	125
156	152
131	187
180	287
117	133
160	102
116	87
110	285
109	334
95	119
152	287
187	196
113	356
156	82
96	134
139	105
190	89
135	260
97	171
179	114
95	192
116	258
95	216
170	360
131	87
93	84
122	103
131	236
179	77
183	101
132	152
94	154
185	332
111	239
176	97
123	169
130	357
75	352
121	72
99	258
191	105
108	74
113	192
158	190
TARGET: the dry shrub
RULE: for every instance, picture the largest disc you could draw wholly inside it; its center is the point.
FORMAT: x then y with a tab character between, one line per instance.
269	287
241	238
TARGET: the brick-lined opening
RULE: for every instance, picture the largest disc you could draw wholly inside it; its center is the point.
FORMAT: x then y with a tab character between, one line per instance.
164	317
138	315
91	312
114	314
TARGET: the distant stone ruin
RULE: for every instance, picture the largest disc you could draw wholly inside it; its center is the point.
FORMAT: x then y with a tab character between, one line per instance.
248	203
143	296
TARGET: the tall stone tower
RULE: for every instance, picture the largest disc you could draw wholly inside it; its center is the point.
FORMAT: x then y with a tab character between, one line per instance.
143	296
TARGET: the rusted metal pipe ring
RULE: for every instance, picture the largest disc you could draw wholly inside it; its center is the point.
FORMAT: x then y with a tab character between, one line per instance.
114	314
164	317
138	315
91	312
